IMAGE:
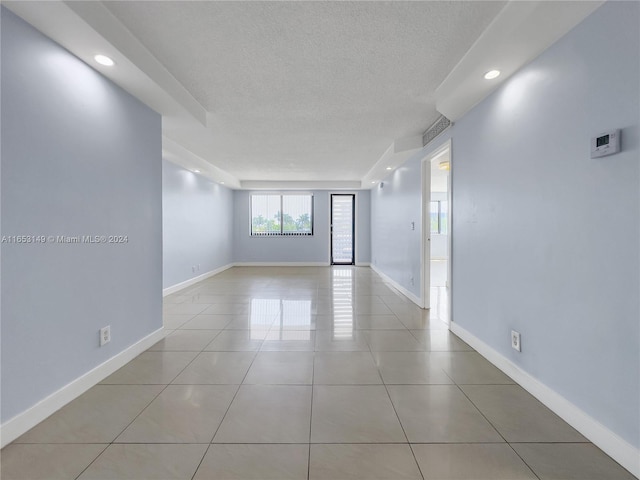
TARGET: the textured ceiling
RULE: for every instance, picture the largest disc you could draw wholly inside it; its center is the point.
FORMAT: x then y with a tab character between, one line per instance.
305	90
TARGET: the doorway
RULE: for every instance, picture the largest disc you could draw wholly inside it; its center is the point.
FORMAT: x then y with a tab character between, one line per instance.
436	266
343	229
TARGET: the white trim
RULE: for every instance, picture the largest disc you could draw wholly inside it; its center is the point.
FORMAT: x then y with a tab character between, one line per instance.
613	445
363	264
187	283
425	243
281	264
21	423
411	296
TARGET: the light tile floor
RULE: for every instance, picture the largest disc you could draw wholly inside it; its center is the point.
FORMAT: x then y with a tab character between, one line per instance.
305	373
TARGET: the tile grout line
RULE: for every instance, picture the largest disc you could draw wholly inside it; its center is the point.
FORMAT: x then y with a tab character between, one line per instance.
397	416
494	427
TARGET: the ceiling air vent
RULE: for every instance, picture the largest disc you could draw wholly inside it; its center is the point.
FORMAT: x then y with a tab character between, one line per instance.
436	129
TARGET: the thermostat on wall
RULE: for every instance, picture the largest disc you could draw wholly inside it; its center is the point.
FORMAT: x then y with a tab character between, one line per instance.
606	143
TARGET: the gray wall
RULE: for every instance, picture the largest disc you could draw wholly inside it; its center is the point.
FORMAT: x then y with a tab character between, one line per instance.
534	214
395	247
197	225
303	249
79	157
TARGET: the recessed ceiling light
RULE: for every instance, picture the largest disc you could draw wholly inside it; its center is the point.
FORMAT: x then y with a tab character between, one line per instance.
491	74
373	181
104	60
196	171
389	168
221	183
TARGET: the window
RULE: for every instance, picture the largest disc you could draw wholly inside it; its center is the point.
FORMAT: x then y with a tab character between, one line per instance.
290	214
438	217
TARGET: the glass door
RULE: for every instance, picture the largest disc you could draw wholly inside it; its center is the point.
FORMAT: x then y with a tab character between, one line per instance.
343	229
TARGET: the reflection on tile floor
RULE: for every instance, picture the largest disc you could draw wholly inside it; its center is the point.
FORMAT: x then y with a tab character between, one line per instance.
305	373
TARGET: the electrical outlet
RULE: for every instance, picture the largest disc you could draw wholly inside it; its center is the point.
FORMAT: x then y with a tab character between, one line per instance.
515	341
411	280
193	268
105	335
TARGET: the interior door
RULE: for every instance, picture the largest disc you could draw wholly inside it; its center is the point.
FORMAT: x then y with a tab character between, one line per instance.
343	229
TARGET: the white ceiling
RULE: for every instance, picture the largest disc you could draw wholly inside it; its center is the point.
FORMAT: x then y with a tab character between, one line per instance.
316	93
306	90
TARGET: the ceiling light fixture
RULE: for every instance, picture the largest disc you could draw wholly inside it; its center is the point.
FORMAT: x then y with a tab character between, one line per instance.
491	74
444	165
196	171
389	168
221	183
104	60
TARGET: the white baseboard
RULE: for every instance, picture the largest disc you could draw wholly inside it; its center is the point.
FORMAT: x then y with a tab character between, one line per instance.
411	296
613	445
363	264
280	264
187	283
21	423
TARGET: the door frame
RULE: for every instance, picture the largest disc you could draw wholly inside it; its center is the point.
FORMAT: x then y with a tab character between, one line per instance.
354	227
425	247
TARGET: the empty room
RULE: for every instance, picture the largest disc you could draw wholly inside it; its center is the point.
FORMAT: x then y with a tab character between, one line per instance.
320	240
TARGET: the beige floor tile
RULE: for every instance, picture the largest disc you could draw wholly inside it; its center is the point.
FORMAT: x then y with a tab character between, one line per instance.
267	414
185	341
208	322
571	461
237	341
289	341
174	298
409	310
248	322
378	322
184	308
97	416
392	341
341	339
345	368
518	416
370	462
340	321
409	368
292	368
440	414
469	368
440	341
429	321
363	308
471	462
368	300
214	299
146	462
47	461
354	414
222	368
255	462
181	414
394	299
174	321
151	368
226	309
377	289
